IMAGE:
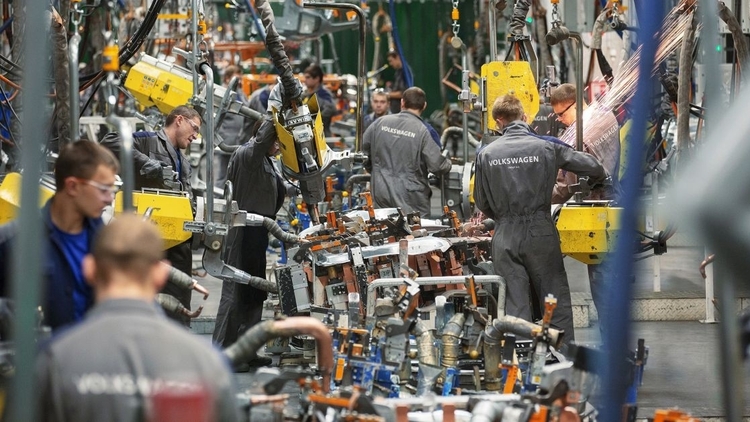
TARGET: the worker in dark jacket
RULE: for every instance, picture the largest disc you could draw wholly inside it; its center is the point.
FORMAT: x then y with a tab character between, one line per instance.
234	129
160	163
126	361
257	189
515	175
601	138
401	152
85	180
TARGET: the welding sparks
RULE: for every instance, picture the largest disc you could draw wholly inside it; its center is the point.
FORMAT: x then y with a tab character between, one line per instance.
597	118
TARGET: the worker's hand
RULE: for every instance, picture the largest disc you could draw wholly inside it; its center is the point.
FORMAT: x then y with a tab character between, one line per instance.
472	229
200	289
266	131
152	169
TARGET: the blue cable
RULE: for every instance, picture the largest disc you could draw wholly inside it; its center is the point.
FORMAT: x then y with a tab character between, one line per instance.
408	77
6	25
617	328
256	20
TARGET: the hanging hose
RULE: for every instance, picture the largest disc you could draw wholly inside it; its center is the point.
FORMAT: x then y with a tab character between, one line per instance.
133	44
247	346
740	42
277	232
540	30
518	20
62	80
291	89
170	304
376	31
408	77
457	130
596	46
493	334
683	88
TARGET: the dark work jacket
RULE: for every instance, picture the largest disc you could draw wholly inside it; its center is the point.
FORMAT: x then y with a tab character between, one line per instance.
156	146
257	186
107	367
515	174
400	153
58	278
257	189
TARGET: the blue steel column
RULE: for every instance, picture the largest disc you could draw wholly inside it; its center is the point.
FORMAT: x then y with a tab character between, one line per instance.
617	329
27	260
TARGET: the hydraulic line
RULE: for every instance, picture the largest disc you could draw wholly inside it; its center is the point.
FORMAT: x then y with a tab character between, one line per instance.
276	231
596	46
133	44
740	42
61	70
493	334
291	89
376	31
457	130
247	346
518	20
171	304
684	86
357	178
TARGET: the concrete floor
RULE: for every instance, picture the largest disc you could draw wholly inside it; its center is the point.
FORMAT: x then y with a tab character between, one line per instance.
682	370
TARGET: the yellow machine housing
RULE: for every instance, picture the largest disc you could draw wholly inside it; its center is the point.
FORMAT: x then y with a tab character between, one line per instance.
588	231
516	78
169	210
154	82
291	156
10	195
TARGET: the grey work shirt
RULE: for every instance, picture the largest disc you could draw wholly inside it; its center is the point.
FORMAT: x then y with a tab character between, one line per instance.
401	152
154	146
516	173
601	138
110	366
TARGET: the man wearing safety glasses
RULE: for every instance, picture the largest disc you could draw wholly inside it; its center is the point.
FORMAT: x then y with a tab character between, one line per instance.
85	180
601	138
160	163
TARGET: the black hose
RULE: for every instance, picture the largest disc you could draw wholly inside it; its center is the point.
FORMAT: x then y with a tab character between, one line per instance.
357	178
133	44
180	279
291	88
278	232
518	20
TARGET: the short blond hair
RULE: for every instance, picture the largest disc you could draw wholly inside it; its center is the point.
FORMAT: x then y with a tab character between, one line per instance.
507	107
127	245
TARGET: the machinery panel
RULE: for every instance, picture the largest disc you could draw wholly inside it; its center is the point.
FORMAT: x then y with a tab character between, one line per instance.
588	232
161	86
511	77
168	211
10	196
